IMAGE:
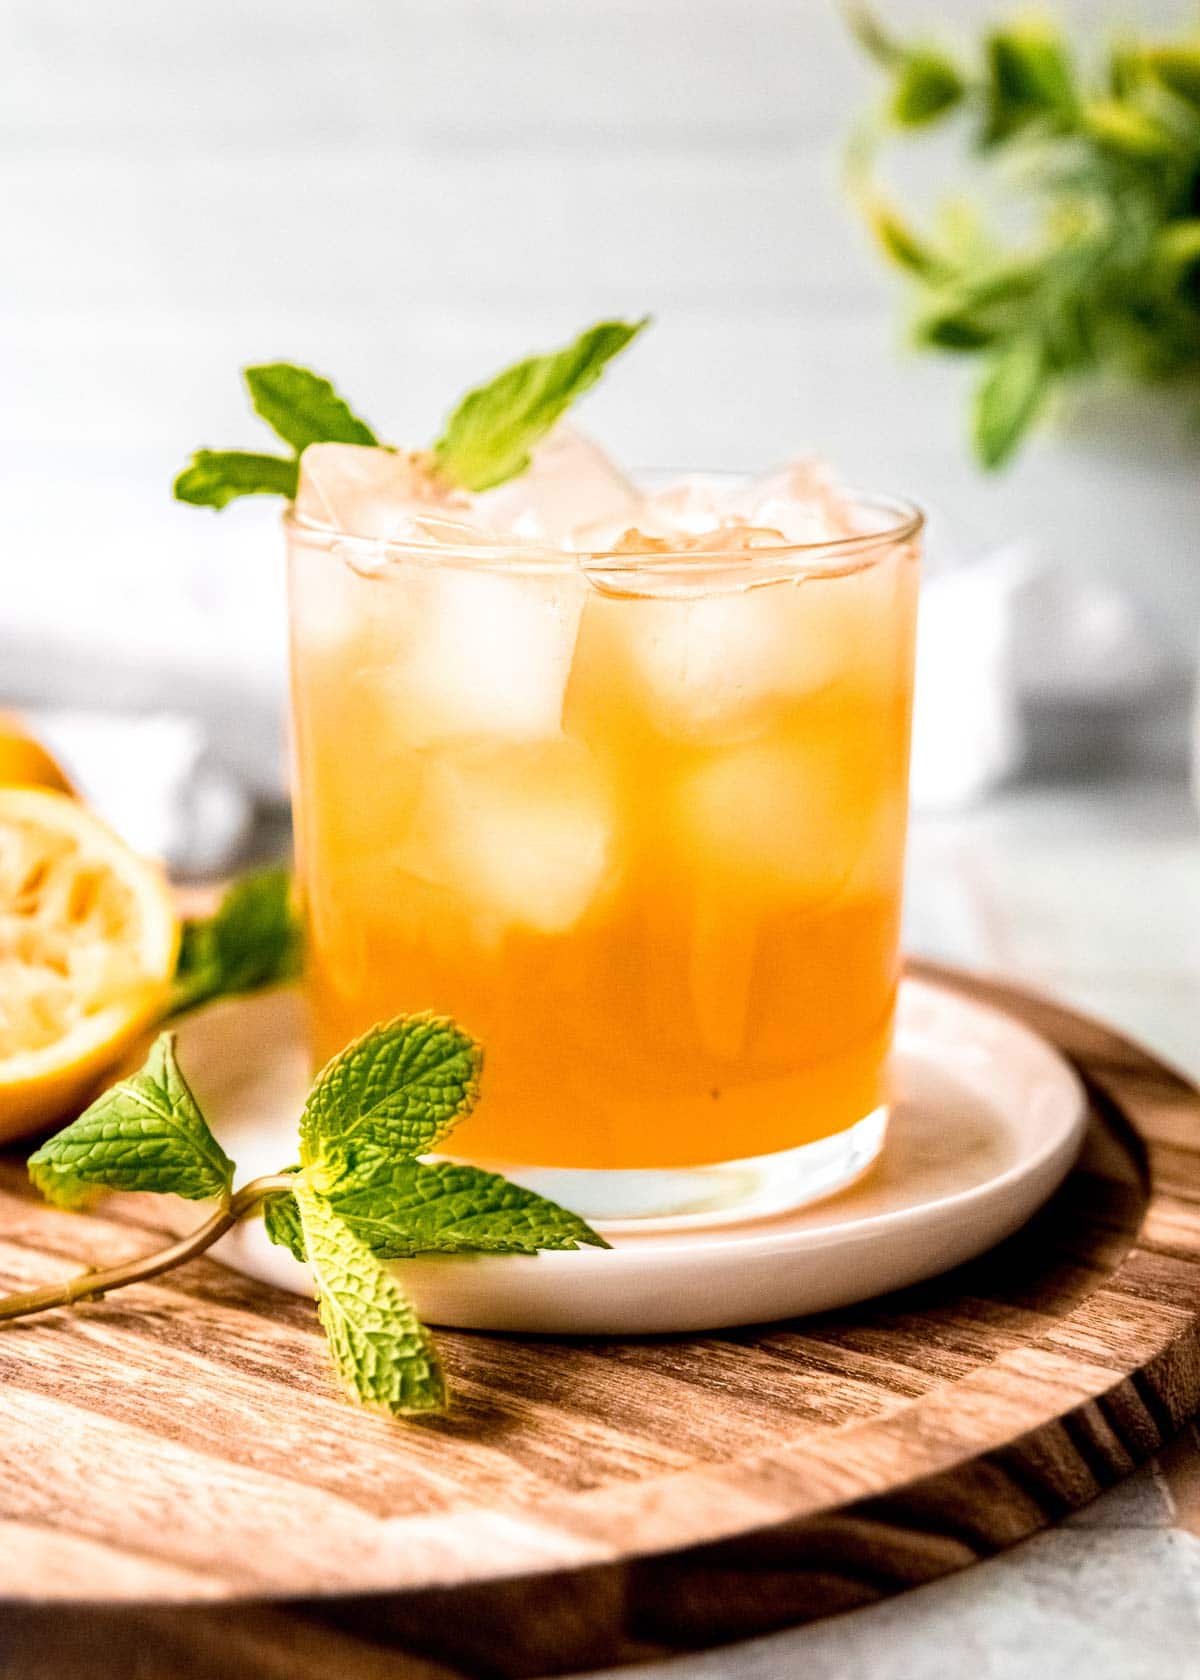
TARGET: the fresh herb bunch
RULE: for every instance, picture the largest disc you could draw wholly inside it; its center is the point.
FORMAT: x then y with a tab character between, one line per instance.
361	1195
486	441
1108	167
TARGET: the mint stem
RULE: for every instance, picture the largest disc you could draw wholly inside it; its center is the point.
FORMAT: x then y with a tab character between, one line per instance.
91	1286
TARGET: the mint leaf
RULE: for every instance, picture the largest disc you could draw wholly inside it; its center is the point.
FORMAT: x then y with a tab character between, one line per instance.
396	1091
1121	127
1031	79
216	477
928	84
281	1217
302	407
253	940
446	1207
1007	402
865	26
1177	67
901	242
489	436
382	1351
147	1133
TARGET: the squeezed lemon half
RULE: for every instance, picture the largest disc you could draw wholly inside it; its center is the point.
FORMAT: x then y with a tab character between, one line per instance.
24	762
88	939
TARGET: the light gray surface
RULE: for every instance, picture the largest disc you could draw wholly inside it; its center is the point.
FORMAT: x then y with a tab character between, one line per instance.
1092	893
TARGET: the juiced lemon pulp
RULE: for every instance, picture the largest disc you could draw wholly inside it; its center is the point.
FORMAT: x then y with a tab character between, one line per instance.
88	937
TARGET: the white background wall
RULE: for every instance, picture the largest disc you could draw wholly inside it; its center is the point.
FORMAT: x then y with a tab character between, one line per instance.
407	194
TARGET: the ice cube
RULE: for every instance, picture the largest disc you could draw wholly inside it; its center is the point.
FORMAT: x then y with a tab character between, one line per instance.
728	539
801	499
722	957
695	666
479	651
774	819
716	661
687	508
524	835
368	492
570	484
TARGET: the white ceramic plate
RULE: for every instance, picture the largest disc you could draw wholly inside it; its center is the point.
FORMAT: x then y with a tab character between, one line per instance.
988	1122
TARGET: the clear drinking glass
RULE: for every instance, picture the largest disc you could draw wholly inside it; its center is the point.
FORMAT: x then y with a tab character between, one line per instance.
637	822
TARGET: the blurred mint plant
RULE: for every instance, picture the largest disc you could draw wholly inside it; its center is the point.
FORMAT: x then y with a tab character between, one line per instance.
1105	166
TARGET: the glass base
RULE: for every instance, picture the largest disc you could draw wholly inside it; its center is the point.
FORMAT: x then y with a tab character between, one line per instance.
670	1198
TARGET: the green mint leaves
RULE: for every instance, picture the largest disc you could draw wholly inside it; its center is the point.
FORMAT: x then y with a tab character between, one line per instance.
216	477
447	1207
147	1133
489	436
381	1350
253	940
393	1093
360	1196
303	408
487	439
928	84
1007	401
1099	159
298	405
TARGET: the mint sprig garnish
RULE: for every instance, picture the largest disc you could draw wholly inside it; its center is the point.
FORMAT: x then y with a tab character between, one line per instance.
216	477
448	1207
489	436
487	440
252	940
381	1350
301	408
359	1197
387	1096
146	1133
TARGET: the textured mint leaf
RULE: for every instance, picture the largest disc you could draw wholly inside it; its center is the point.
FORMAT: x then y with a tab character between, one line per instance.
444	1207
215	477
281	1217
253	940
382	1352
146	1133
1007	402
395	1092
489	436
302	407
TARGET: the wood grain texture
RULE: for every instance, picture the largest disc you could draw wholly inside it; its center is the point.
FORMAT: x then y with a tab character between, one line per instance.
589	1502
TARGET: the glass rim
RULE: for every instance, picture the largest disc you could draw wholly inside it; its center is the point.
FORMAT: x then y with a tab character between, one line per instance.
902	521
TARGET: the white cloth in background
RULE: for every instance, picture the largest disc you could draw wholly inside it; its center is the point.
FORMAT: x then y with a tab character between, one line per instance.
1010	643
154	778
967	729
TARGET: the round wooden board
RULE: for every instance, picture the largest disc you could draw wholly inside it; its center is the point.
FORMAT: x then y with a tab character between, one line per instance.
591	1502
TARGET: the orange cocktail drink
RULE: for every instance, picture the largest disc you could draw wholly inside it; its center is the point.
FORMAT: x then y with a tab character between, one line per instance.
632	815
